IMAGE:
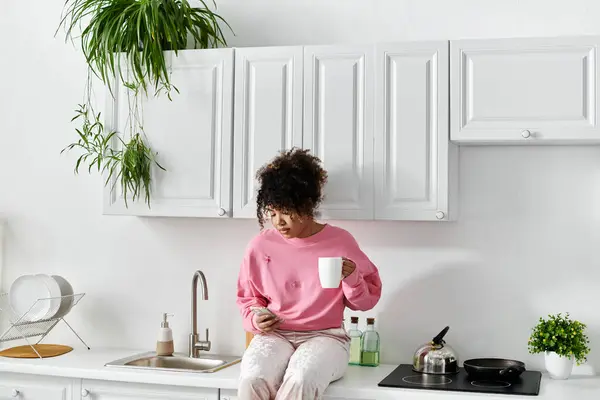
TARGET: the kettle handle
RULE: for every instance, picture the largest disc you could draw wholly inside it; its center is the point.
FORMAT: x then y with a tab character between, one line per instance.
440	336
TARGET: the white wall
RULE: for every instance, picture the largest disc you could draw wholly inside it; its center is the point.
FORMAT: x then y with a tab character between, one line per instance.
525	244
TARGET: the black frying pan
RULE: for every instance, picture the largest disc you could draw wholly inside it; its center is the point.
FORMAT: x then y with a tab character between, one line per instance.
494	369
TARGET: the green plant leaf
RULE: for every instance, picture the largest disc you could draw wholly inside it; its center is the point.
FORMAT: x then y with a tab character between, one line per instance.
124	27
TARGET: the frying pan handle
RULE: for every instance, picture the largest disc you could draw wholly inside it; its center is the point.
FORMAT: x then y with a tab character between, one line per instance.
440	336
513	369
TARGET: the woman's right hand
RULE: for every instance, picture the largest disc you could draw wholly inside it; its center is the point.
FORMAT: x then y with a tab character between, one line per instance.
267	322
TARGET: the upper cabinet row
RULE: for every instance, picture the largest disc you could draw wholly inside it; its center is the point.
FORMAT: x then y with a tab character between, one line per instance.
382	118
377	116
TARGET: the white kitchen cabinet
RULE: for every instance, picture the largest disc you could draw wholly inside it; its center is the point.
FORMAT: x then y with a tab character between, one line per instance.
338	125
268	115
192	135
105	390
415	165
35	387
525	90
228	394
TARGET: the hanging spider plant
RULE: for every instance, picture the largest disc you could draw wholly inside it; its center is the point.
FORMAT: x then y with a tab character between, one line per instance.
140	30
129	163
136	33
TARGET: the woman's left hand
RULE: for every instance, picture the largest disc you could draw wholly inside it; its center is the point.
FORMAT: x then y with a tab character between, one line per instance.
348	267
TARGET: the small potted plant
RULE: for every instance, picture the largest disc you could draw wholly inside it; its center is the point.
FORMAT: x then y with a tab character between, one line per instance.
563	342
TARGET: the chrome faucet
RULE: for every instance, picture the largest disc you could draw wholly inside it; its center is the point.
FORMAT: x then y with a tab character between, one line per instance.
196	345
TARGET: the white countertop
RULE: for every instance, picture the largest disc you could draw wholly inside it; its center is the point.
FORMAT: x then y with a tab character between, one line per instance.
358	383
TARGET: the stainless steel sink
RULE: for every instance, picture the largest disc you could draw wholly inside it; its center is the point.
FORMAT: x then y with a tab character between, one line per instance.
178	362
197	360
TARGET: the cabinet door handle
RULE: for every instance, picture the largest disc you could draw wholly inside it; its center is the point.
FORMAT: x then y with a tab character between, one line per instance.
15	393
440	215
85	393
222	212
526	134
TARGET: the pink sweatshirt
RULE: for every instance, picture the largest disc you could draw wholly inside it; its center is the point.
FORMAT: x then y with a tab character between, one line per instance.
282	274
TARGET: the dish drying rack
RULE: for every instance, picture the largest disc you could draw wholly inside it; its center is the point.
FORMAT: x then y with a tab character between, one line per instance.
25	327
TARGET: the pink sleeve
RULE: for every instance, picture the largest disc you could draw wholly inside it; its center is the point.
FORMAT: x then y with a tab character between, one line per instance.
247	294
362	288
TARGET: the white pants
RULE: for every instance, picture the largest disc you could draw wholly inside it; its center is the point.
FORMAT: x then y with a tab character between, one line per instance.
286	365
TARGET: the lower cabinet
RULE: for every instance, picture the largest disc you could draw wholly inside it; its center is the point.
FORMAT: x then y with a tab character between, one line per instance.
34	387
228	394
37	387
105	390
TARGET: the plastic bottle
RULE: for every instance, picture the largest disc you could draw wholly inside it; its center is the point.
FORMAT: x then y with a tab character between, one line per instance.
164	344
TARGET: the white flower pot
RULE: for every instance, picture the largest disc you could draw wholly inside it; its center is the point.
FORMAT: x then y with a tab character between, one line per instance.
558	367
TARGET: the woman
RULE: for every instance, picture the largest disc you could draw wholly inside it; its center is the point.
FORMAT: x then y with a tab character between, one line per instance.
300	345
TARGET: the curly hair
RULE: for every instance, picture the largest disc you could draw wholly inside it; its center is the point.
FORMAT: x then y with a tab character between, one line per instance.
292	182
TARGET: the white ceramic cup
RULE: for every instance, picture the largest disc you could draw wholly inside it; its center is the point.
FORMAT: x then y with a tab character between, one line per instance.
330	272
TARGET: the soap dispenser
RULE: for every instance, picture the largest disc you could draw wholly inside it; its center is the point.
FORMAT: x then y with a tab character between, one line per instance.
164	344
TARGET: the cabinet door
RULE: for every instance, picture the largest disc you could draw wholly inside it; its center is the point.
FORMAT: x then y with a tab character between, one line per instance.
525	90
413	159
103	390
338	125
228	394
192	135
33	387
268	115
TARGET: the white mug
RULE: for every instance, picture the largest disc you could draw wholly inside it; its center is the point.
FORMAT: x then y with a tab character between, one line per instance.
330	272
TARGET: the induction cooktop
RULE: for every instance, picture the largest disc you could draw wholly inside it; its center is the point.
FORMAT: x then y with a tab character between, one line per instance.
404	377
